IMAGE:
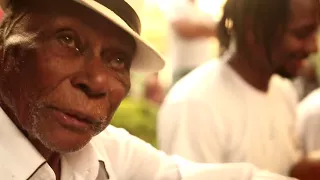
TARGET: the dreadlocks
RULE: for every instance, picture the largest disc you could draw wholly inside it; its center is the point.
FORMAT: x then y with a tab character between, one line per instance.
266	18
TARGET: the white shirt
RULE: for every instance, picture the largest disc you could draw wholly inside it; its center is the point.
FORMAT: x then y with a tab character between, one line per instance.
213	115
113	155
184	52
308	125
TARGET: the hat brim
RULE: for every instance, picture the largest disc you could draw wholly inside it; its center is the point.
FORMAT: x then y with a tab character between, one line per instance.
146	59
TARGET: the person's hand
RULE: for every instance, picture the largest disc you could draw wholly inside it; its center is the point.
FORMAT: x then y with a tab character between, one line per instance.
306	170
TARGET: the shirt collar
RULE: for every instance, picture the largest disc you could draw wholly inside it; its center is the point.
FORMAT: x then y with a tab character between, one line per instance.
86	163
20	156
21	159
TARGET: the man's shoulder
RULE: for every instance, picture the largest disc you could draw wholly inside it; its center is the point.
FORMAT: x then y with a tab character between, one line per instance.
312	99
208	68
281	82
212	83
199	82
285	88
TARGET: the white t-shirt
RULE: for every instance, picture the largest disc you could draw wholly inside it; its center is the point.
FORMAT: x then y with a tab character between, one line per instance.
213	115
112	155
308	125
187	53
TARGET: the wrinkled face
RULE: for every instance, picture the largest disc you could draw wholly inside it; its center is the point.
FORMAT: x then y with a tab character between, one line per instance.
65	82
299	39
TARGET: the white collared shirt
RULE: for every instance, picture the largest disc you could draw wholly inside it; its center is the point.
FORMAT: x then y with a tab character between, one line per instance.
114	154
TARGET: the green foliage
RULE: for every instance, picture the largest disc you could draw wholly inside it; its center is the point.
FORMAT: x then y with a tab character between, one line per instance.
138	117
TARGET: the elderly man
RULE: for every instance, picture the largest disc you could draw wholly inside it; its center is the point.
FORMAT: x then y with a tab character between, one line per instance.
64	70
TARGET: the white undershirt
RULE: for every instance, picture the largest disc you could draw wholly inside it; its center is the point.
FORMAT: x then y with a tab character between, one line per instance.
213	115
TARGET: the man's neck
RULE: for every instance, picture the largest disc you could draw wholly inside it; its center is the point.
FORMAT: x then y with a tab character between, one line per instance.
253	76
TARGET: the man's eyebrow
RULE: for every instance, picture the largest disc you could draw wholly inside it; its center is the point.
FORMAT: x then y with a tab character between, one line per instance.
121	45
25	39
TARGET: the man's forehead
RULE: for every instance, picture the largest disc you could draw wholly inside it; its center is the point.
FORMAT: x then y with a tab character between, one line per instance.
44	18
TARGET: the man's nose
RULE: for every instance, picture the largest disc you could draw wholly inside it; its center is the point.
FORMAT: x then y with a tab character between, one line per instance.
93	81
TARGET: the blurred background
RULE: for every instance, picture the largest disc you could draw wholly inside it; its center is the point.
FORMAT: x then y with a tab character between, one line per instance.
138	112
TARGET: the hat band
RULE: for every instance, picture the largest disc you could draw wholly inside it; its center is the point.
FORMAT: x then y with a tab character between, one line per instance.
124	11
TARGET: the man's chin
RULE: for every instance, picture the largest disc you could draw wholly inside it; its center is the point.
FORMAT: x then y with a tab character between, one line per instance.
286	74
65	146
63	142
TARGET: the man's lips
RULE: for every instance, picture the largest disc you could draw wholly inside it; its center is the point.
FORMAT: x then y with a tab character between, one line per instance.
73	119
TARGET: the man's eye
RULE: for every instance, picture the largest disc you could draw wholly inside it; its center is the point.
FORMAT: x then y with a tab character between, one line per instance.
116	59
68	40
118	62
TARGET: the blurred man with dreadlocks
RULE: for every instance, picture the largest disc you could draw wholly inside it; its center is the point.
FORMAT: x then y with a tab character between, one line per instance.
238	109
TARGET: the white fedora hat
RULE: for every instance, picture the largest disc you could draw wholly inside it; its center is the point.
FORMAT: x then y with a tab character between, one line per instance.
123	13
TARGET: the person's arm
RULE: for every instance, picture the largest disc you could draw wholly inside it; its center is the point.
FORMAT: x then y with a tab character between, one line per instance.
231	171
188	28
189	22
306	169
132	158
198	133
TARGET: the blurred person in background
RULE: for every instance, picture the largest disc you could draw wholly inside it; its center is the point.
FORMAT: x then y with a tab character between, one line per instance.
307	81
154	92
308	129
308	125
189	36
238	109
